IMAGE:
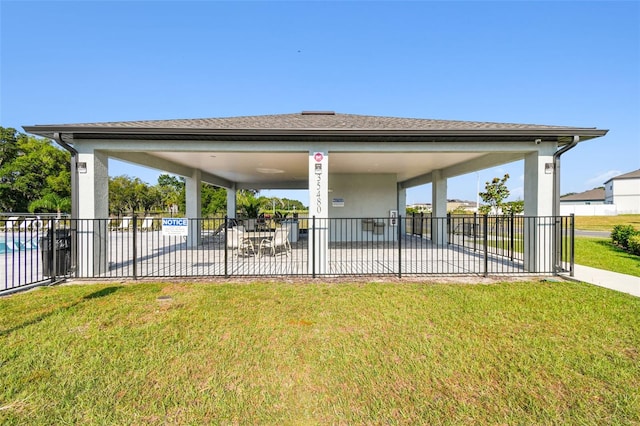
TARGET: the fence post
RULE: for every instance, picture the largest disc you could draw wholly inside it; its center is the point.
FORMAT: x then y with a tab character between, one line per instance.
413	223
53	256
486	245
73	233
226	250
313	246
400	246
475	230
135	247
572	242
512	238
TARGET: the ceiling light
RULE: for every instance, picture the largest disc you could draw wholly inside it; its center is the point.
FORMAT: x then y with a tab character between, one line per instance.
266	171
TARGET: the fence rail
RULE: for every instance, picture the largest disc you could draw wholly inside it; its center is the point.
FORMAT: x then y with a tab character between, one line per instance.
49	249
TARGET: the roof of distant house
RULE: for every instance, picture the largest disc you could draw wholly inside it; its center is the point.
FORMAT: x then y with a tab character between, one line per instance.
596	194
630	175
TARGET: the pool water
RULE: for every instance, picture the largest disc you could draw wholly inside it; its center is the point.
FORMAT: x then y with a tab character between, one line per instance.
17	244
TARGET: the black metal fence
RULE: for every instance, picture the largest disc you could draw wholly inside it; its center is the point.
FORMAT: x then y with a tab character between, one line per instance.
139	247
33	250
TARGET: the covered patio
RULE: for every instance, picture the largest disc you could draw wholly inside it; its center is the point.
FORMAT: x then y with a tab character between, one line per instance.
354	167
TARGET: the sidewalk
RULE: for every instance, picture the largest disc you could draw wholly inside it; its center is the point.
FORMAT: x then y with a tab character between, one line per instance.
613	280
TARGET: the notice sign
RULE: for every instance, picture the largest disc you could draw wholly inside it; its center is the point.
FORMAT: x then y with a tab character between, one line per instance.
337	202
175	227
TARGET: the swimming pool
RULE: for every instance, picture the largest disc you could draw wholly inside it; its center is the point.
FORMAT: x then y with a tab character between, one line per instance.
13	244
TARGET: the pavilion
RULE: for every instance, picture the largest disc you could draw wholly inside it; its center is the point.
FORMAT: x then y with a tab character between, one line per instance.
354	166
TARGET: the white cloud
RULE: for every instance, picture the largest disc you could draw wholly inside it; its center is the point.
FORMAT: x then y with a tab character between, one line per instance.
601	178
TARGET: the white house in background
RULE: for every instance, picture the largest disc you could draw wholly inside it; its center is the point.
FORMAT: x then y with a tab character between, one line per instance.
588	203
591	197
624	192
620	195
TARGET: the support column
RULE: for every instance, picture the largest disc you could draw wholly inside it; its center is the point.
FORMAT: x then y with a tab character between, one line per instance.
193	191
232	201
319	207
402	210
439	208
402	201
538	210
93	210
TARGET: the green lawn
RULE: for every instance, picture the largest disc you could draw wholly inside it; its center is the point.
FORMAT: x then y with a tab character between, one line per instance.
275	353
606	223
602	254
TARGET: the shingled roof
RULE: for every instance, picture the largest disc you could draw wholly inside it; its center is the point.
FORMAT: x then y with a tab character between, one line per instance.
314	123
313	120
630	175
596	194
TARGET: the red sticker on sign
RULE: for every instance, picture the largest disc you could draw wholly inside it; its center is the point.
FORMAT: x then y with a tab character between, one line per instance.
318	156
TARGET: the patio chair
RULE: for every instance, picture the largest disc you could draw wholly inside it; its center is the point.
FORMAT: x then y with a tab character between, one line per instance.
238	242
261	223
125	224
280	239
11	223
147	224
42	223
221	228
27	224
113	223
37	223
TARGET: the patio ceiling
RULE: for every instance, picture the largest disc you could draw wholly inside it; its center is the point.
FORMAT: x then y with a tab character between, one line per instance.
264	168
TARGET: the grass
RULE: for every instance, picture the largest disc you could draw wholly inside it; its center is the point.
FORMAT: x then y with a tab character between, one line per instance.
273	353
606	223
602	254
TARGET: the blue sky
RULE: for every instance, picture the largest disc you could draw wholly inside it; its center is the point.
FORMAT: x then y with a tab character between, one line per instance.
566	63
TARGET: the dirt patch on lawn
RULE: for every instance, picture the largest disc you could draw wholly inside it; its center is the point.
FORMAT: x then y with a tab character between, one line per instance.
178	283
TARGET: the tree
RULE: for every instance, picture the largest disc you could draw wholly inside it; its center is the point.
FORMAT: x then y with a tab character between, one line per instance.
513	207
125	194
293	204
249	204
172	192
8	144
51	202
214	200
495	193
150	198
269	204
30	168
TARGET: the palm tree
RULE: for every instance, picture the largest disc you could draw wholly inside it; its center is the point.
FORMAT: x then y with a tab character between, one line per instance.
249	204
51	202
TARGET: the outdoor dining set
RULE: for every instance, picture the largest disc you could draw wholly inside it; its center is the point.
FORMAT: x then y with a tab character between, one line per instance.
243	242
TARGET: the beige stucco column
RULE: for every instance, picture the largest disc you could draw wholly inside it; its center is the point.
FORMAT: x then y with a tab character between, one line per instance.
438	208
318	208
93	210
232	202
538	209
93	184
402	202
194	207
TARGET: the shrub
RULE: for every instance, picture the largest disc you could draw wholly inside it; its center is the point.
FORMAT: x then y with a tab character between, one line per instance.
621	234
634	244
